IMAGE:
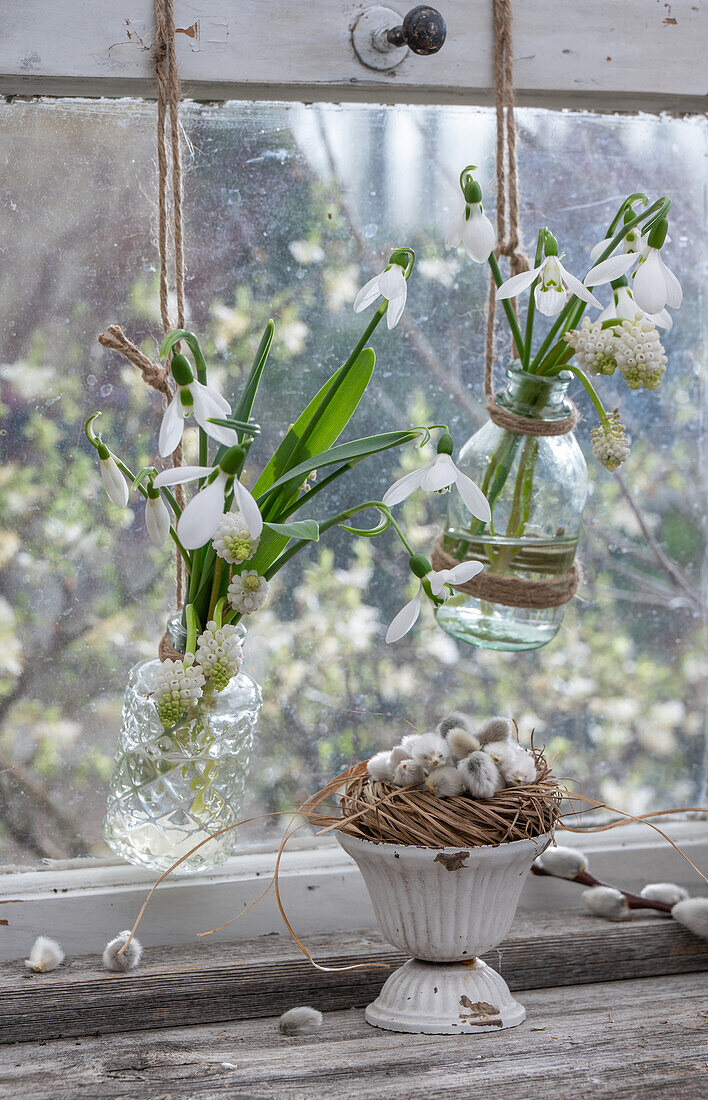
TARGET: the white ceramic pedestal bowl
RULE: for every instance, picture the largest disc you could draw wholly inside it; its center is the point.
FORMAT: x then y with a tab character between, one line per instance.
445	906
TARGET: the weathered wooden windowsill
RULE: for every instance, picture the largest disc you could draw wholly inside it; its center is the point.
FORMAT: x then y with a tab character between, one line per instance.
209	983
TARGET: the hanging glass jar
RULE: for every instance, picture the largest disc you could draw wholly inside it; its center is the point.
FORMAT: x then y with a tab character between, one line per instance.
172	788
537	486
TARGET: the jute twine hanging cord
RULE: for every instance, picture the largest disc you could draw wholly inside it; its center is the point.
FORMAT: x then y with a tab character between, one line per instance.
510	591
169	179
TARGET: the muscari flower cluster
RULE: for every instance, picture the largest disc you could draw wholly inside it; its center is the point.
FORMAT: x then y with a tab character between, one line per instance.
610	444
457	758
631	346
178	687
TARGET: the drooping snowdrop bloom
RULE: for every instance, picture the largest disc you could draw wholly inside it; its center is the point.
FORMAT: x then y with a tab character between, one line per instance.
113	481
437	581
666	892
178	685
655	285
624	308
247	592
610	444
562	862
200	519
605	901
157	518
232	540
389	284
45	955
472	229
128	959
553	286
192	396
439	476
219	653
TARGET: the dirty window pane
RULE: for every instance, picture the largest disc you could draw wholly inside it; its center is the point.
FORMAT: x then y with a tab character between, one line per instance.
285	205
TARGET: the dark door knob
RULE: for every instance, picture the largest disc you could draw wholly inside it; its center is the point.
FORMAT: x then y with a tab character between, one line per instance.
423	30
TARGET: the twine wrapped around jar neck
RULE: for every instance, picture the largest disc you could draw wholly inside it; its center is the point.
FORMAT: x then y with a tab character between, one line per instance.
513	591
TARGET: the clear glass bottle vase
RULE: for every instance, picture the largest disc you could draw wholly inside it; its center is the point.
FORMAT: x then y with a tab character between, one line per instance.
171	789
537	486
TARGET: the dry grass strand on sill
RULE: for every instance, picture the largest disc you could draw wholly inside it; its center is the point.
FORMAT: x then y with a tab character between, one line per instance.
406	815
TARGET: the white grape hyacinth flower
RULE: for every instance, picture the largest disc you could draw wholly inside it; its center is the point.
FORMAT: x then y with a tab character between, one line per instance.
193	397
157	520
113	482
232	540
389	284
473	231
554	285
178	686
247	592
438	476
200	519
407	617
610	444
220	653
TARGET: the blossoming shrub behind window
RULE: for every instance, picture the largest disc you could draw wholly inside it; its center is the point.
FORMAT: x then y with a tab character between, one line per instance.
618	697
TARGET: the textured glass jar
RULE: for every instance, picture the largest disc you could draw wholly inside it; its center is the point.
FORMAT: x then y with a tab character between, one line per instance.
537	486
170	789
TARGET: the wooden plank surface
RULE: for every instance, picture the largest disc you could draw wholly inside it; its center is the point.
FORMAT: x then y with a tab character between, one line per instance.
212	982
625	1040
637	54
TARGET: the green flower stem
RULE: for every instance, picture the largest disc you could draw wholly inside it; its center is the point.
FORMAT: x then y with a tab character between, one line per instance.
335	521
531	311
215	587
192	624
186	556
508	308
521	503
592	392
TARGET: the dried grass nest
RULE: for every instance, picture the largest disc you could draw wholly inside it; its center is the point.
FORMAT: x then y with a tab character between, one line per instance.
383	813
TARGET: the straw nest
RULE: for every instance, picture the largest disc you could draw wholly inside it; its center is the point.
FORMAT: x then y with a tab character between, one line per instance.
407	815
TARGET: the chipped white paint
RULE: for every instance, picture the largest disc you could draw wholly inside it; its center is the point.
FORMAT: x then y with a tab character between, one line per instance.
444	906
637	54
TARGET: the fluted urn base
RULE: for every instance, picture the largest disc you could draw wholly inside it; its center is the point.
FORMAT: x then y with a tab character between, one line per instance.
445	999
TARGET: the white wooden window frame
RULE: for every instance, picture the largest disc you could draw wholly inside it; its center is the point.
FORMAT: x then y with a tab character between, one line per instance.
636	55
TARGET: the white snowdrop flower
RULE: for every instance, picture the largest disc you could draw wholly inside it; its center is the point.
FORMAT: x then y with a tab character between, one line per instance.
563	862
157	519
666	892
247	591
439	476
232	540
408	774
220	653
399	753
498	728
45	955
408	615
389	284
200	519
380	767
445	782
431	751
692	913
610	444
473	231
113	481
462	743
192	397
129	958
554	285
300	1021
455	720
480	775
614	267
654	285
177	687
605	901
